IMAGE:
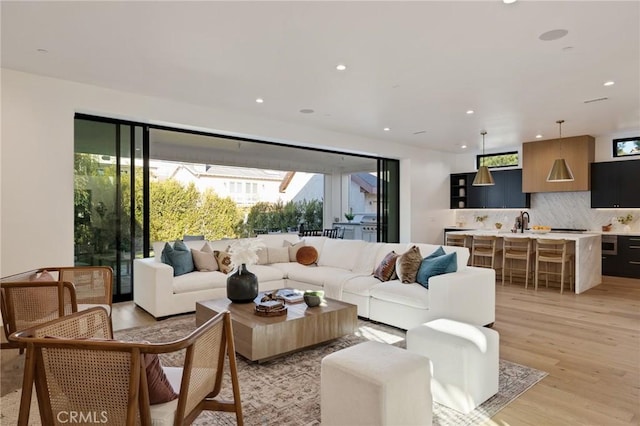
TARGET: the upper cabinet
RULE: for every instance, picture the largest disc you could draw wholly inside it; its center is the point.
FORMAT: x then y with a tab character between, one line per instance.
506	193
615	184
538	157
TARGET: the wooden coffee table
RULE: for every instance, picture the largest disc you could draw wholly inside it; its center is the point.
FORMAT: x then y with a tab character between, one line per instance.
260	338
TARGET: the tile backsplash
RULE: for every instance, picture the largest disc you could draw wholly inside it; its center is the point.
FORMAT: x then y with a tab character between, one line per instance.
555	209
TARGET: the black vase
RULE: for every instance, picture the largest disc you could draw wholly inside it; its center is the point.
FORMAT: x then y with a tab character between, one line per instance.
242	286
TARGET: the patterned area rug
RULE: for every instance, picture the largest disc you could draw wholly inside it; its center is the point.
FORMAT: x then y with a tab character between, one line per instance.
286	390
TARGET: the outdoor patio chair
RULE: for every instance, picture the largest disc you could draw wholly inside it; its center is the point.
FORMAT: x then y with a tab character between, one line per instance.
75	369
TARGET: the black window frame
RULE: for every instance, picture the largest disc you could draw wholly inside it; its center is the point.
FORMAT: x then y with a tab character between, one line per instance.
615	143
497	154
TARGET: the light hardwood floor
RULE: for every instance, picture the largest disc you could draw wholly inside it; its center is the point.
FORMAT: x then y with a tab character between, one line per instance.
588	343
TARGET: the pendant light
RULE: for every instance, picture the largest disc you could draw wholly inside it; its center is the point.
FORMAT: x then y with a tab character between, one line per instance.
560	171
483	177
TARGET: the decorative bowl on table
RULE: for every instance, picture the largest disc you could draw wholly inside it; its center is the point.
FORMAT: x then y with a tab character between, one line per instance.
313	298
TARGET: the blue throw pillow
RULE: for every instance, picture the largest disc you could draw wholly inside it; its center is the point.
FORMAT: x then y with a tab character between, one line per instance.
439	265
437	252
179	257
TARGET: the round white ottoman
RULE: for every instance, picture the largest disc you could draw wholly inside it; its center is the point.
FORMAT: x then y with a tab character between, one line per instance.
464	361
374	383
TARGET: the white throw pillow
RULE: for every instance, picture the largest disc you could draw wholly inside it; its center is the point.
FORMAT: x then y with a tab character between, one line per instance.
278	254
293	249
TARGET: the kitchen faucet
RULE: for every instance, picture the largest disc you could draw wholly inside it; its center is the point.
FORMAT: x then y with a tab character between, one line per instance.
524	222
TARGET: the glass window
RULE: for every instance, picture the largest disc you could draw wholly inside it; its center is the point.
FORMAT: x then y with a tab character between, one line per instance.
502	159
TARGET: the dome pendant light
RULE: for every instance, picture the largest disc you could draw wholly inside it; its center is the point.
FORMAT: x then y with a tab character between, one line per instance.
483	177
560	171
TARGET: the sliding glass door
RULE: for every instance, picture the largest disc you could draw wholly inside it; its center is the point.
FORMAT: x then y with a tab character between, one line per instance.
108	188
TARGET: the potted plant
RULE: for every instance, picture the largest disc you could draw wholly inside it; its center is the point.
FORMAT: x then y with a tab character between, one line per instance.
349	216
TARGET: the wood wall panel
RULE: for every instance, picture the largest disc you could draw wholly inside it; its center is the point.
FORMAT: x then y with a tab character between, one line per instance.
538	157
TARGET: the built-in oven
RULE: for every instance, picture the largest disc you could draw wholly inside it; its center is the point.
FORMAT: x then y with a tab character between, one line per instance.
610	245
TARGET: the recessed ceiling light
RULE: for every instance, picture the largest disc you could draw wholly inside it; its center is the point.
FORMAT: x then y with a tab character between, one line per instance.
259	100
538	136
307	111
609	83
470	111
553	35
386	129
509	1
463	146
341	67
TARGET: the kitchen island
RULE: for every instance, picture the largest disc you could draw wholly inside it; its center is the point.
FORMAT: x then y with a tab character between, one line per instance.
587	249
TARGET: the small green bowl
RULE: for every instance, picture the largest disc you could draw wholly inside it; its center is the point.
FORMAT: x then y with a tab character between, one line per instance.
312	299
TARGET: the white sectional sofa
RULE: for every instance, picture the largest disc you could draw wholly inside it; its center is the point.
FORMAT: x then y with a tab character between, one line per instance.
344	270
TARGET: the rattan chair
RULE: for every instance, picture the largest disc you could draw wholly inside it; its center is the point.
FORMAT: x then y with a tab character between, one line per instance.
25	304
73	373
94	284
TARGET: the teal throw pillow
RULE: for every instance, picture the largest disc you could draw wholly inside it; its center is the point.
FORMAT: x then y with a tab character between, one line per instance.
437	252
432	266
179	257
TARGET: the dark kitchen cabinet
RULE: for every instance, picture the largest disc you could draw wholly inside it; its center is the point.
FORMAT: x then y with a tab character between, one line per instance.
628	260
506	193
614	184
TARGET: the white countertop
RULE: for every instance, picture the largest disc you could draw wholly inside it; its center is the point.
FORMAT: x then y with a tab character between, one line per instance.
529	234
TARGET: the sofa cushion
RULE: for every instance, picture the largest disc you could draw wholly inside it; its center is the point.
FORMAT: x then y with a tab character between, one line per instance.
361	285
266	273
387	267
277	240
463	252
204	259
293	249
196	281
407	265
178	257
437	252
224	261
263	257
318	275
278	254
394	291
307	255
340	253
366	259
438	265
317	242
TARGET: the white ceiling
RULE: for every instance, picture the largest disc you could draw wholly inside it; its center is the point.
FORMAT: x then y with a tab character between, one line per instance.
412	66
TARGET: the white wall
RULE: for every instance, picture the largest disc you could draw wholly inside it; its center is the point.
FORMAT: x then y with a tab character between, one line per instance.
36	175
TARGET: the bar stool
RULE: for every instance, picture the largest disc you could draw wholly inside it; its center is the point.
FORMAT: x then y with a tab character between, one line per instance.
518	249
484	249
554	251
457	240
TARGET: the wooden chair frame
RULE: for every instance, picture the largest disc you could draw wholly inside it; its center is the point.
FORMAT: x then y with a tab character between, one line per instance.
71	342
94	284
554	251
25	304
521	249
